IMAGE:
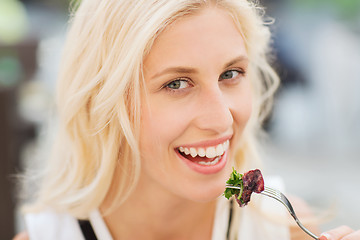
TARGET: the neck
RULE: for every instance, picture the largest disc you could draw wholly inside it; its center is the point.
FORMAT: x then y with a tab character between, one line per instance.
154	213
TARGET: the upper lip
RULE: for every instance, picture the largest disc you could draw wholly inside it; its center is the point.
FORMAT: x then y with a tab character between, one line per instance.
207	143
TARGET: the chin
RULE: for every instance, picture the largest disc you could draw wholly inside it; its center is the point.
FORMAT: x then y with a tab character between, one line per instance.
206	192
209	191
208	197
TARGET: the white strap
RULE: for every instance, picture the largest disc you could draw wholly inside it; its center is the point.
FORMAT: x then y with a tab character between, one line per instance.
99	226
51	225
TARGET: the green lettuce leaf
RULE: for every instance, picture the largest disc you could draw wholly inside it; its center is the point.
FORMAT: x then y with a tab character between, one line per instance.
235	180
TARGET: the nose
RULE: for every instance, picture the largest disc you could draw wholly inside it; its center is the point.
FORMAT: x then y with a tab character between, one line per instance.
214	113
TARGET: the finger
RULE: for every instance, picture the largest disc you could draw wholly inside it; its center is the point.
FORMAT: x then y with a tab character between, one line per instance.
352	236
336	233
21	236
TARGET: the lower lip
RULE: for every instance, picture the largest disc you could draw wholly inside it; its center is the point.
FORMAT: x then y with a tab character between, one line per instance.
205	169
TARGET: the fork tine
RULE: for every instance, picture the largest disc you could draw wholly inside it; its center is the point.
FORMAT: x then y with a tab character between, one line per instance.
271	190
275	196
281	198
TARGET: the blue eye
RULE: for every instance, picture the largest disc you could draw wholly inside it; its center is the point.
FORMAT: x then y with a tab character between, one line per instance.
178	84
229	74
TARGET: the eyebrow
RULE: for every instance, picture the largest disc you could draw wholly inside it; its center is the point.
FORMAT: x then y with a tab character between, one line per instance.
190	70
175	70
236	60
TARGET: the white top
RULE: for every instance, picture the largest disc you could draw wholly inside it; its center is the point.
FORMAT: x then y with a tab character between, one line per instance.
252	224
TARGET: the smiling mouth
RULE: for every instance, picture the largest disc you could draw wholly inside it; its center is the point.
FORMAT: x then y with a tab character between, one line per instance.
206	156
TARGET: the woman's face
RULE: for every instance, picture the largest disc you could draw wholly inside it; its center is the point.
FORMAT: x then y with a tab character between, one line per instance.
195	104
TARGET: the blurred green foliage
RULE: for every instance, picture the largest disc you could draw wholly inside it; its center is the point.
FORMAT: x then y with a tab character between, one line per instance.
13	21
74	3
60	4
344	8
10	68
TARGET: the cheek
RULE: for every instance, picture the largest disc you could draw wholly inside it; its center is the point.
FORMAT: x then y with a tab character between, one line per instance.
242	106
161	124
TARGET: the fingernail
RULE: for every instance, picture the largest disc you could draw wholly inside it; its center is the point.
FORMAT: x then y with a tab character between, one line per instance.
325	236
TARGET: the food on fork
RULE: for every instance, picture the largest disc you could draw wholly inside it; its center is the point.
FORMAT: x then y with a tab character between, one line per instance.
249	182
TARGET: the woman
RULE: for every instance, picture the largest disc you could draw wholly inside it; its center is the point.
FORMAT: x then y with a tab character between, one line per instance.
157	100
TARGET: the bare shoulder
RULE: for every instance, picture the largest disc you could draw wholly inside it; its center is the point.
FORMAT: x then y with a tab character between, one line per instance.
305	214
22	236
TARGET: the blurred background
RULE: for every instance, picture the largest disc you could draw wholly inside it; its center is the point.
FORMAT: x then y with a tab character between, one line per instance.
314	131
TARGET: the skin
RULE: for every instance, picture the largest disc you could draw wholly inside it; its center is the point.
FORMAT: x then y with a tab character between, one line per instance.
202	106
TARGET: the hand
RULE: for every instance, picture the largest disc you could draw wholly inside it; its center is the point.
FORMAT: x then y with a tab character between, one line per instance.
21	236
341	233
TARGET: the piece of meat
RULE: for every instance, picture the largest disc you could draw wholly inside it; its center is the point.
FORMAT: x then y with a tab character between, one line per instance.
253	182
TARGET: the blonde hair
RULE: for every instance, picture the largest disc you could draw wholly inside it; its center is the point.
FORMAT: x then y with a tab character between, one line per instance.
99	94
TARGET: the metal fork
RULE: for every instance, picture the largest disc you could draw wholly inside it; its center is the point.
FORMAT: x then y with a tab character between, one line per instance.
276	194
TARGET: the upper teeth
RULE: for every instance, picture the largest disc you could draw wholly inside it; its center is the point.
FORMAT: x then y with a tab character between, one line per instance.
209	152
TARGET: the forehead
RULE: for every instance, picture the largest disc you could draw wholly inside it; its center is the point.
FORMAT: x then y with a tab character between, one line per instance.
209	34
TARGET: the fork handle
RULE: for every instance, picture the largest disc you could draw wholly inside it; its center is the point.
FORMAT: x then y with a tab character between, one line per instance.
304	228
292	213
